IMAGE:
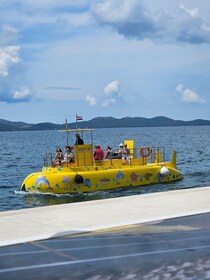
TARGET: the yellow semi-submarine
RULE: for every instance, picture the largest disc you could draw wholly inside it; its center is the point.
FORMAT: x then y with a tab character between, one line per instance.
146	165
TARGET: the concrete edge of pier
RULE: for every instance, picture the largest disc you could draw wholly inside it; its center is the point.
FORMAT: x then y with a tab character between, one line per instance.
33	224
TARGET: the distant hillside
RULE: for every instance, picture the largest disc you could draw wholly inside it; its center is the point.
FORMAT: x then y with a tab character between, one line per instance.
12	126
102	122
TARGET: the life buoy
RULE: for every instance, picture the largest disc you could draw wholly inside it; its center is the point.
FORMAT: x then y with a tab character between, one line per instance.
145	152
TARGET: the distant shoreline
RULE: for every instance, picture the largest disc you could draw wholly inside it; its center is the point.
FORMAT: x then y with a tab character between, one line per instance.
103	122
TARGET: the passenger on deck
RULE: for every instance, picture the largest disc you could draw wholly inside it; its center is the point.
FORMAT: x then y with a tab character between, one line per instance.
108	154
79	140
126	154
98	153
58	157
120	151
68	156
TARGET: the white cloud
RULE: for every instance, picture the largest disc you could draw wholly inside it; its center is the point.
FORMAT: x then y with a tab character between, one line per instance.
191	12
9	56
22	94
91	100
112	88
11	75
110	97
116	10
180	88
188	95
159	23
112	94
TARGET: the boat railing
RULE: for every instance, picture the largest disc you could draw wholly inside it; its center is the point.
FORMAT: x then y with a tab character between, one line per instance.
149	154
48	158
143	155
80	158
152	154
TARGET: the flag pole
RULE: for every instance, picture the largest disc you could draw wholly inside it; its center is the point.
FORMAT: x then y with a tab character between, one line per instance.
76	122
67	135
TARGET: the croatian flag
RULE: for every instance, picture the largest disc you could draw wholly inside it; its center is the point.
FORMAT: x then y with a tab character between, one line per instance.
79	118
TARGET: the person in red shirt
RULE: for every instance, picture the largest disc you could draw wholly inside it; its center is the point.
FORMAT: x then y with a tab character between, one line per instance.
98	153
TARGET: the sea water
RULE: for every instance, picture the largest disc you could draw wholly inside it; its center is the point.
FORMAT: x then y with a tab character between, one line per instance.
22	153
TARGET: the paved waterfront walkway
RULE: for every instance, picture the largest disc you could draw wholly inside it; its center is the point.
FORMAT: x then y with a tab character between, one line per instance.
53	221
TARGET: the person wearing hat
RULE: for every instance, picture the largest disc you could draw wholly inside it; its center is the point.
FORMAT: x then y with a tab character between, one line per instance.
120	150
79	140
98	153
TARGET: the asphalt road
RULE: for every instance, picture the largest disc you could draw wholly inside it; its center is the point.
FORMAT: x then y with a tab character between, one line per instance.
170	249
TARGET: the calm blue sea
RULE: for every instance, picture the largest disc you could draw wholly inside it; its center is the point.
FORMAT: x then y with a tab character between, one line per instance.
22	153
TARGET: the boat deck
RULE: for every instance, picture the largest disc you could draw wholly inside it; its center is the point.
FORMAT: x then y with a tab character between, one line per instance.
153	236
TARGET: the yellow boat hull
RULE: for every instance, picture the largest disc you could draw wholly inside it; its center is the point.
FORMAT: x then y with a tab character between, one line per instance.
70	179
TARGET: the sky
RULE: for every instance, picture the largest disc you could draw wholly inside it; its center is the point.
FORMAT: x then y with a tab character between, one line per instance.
119	58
